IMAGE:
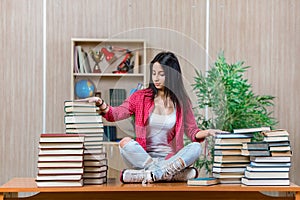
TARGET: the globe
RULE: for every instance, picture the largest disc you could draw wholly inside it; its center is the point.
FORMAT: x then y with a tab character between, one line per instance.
84	88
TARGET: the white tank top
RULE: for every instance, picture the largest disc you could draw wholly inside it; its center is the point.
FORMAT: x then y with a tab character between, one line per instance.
157	130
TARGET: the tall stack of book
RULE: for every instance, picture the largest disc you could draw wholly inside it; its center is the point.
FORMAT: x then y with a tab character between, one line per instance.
60	160
272	169
229	164
82	118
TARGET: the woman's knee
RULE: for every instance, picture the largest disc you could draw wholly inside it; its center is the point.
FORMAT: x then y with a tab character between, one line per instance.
124	141
197	148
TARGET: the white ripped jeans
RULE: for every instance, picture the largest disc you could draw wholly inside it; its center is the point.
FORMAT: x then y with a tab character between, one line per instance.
136	157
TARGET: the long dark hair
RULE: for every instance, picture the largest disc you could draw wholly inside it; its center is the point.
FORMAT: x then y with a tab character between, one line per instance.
174	87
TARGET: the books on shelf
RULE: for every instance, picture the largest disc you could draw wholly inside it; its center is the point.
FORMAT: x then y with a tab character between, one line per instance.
117	96
203	181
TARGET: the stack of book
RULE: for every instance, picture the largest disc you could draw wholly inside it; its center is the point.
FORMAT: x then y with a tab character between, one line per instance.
60	160
272	169
82	118
229	163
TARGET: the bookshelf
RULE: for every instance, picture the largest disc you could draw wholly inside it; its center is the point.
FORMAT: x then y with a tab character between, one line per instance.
114	72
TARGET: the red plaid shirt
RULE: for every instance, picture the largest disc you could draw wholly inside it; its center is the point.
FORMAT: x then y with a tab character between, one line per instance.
140	104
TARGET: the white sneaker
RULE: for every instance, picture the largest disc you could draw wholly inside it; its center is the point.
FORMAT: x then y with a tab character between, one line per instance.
136	176
185	174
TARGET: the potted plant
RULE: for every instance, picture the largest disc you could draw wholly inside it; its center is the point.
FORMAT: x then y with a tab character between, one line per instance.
225	101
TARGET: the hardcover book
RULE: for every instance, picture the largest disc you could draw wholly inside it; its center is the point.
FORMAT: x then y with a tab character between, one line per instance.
265	182
203	181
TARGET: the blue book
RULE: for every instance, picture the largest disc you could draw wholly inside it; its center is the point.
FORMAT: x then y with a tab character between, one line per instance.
203	181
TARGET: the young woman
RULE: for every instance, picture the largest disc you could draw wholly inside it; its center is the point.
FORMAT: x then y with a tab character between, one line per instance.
163	114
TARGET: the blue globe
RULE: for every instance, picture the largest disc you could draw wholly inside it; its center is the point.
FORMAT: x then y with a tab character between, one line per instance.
84	88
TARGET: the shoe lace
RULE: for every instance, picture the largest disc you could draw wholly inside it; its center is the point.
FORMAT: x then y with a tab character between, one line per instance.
172	169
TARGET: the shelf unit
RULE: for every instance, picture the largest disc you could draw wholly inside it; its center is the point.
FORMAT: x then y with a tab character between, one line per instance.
107	79
127	80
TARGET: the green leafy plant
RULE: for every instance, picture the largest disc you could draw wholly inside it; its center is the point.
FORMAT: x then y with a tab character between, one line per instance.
225	101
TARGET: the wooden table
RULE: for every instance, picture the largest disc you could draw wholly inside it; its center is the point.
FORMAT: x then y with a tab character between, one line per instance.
116	190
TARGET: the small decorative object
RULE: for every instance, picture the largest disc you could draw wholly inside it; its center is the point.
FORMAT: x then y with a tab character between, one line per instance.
84	88
97	57
98	94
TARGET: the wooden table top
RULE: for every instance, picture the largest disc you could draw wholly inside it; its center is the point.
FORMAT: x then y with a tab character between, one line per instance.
29	185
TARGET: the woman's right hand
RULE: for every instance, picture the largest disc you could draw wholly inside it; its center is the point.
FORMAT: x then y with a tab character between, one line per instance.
96	100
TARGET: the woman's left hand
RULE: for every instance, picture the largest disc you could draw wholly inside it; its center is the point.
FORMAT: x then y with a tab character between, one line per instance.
208	132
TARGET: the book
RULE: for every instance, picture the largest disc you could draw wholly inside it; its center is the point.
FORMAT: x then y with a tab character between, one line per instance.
95	174
233	135
53	158
266	174
60	152
203	181
227	146
67	177
231	159
57	137
267	168
63	170
278	132
270	164
117	96
251	130
230	180
60	164
60	183
96	162
228	169
231	141
280	143
81	109
84	130
258	152
270	159
99	156
281	153
228	174
276	139
220	164
95	181
280	148
255	145
95	168
60	145
227	152
71	119
265	182
84	125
